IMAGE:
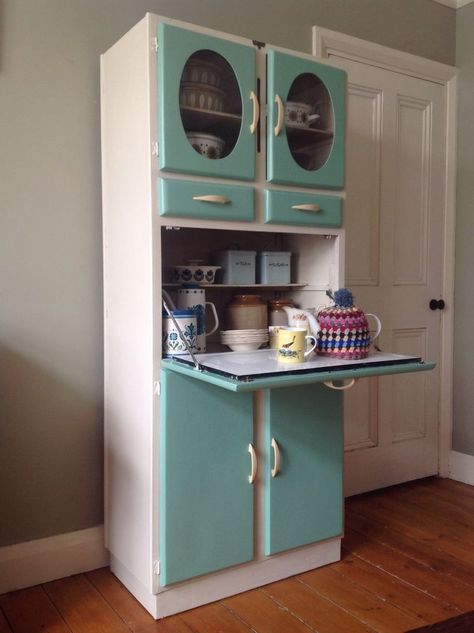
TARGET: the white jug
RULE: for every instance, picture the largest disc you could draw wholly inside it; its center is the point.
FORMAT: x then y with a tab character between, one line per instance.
192	297
298	317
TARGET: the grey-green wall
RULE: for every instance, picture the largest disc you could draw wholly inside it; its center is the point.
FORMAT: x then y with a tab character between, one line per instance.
50	213
463	436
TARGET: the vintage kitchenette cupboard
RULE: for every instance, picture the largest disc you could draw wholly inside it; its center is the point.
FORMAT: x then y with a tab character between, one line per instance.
215	485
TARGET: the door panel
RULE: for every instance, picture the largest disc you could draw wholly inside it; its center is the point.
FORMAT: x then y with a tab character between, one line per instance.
206	501
311	155
205	108
394	218
303	502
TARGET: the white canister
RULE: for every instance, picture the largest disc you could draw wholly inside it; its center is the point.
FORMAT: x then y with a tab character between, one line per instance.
192	297
172	339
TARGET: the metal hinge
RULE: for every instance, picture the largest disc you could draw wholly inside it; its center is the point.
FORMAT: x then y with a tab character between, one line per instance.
154	44
157	388
155	149
156	567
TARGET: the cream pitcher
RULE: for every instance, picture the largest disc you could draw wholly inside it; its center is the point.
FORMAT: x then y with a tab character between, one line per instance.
298	317
193	297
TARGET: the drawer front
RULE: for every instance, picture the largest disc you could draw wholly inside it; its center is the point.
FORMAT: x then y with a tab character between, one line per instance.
211	201
302	209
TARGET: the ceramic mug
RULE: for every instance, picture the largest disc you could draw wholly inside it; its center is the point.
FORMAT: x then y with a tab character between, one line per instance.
273	335
292	344
192	297
172	341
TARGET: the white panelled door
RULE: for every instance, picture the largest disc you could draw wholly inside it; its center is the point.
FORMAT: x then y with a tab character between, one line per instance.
394	218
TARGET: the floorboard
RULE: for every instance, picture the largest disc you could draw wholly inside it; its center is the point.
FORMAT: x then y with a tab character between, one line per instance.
407	562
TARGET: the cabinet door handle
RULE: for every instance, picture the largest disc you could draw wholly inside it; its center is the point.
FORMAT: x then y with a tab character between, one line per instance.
281	110
276	457
213	198
256	112
253	462
331	385
307	207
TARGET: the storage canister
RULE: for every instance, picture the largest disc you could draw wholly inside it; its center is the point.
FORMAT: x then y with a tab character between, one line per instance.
276	313
274	267
237	267
247	312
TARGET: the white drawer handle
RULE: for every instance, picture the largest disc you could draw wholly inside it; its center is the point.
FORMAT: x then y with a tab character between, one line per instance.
256	112
331	385
213	198
253	460
280	107
276	456
307	207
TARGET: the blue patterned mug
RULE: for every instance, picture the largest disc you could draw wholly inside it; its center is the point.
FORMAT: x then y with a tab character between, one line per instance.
172	341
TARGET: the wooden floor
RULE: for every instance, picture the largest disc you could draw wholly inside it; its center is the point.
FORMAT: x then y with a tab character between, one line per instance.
408	560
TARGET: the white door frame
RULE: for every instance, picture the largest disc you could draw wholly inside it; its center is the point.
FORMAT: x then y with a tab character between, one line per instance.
326	43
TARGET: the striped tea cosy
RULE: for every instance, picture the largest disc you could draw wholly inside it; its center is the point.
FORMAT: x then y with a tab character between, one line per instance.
343	329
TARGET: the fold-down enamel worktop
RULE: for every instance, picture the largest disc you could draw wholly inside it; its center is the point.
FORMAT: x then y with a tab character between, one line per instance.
248	371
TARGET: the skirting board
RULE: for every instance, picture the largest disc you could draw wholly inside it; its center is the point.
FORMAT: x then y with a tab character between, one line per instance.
461	467
34	562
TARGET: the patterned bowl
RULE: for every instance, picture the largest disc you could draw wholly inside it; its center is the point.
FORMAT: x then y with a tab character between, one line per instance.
195	273
207	145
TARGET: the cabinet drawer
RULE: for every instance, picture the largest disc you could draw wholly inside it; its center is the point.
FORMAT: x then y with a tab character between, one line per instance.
315	210
190	199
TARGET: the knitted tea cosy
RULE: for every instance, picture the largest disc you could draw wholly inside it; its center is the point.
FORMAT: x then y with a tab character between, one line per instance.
344	331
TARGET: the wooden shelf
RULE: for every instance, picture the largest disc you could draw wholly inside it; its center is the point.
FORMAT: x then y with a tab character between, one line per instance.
199	120
309	134
234	286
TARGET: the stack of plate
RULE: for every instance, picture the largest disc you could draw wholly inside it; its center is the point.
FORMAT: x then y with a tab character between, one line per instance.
244	340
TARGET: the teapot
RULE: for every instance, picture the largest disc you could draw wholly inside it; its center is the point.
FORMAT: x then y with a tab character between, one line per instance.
302	318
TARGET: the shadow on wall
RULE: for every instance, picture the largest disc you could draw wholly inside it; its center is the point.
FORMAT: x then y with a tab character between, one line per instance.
47	427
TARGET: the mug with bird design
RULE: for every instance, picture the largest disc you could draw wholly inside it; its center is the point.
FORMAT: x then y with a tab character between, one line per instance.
292	344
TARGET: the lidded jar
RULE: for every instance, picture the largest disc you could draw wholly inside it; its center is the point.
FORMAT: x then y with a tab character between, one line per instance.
247	312
276	313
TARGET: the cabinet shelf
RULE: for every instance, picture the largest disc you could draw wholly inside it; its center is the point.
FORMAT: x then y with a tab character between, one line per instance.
209	120
309	133
234	286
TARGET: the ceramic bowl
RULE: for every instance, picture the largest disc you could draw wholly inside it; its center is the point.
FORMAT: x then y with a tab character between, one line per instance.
201	96
244	347
207	145
200	71
298	114
195	274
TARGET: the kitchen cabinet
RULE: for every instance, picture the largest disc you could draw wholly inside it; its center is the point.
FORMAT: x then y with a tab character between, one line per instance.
206	501
206	91
183	523
301	151
303	477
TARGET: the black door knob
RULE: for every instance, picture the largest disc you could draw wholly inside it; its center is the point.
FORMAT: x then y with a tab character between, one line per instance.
437	304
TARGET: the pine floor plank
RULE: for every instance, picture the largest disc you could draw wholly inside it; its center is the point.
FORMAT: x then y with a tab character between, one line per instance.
121	601
82	606
436	584
263	614
214	617
366	606
31	611
317	612
399	594
440	534
417	549
4	626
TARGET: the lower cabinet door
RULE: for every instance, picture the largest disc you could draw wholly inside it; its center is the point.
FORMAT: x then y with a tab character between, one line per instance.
206	500
303	494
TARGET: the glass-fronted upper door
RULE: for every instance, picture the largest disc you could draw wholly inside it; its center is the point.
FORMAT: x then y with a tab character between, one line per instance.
208	109
306	119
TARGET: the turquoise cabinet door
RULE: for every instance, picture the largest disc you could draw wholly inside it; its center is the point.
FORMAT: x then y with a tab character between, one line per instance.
206	501
306	121
211	100
304	500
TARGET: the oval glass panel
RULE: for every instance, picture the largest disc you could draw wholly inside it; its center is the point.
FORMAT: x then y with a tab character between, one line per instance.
309	121
210	104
